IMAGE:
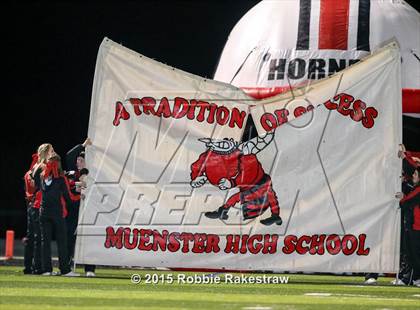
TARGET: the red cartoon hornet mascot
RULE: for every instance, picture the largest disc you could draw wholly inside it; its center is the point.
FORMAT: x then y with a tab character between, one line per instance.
228	164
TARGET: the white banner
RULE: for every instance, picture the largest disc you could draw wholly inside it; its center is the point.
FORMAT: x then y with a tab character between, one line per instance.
171	185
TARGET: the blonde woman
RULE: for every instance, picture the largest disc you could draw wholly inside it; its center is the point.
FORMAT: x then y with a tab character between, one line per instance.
32	253
52	183
45	151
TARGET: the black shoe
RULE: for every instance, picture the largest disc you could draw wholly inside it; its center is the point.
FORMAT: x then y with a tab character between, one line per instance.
271	220
220	213
27	271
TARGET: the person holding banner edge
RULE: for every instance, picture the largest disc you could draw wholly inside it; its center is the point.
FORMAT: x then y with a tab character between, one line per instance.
76	172
411	202
405	274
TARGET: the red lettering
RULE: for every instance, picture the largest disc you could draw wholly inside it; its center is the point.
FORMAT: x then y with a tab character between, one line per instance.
186	238
330	105
317	245
181	107
333	249
173	243
148	104
120	113
203	107
210	118
253	247
199	243
289	244
370	114
159	240
244	243
164	109
114	239
191	109
300	249
344	105
268	122
353	244
136	105
232	243
299	111
270	244
362	251
144	238
357	113
237	118
212	244
127	234
281	116
222	115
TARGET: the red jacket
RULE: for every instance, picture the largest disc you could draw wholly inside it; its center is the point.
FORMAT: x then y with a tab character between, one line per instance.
73	197
30	188
412	200
409	156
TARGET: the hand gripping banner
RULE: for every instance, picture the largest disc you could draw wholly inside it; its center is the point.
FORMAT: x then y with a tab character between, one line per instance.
173	185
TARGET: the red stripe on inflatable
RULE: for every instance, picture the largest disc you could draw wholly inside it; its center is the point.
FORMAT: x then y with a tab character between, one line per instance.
411	100
264	92
333	24
410	97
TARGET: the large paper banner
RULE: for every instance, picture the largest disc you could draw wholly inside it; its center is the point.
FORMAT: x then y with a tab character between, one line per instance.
171	184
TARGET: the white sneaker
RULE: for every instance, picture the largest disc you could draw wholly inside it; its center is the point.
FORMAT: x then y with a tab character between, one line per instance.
398	282
416	282
371	281
49	273
71	274
90	274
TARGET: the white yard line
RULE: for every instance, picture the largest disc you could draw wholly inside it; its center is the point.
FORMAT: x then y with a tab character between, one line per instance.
355	295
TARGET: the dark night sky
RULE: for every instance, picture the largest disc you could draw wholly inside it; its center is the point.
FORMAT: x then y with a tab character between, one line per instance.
49	54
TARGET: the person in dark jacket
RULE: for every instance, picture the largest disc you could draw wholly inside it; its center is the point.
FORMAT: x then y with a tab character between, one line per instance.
76	171
32	241
410	163
411	202
32	254
49	178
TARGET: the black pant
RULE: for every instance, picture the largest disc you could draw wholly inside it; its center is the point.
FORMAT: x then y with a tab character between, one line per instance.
414	252
32	254
404	273
371	276
72	220
59	224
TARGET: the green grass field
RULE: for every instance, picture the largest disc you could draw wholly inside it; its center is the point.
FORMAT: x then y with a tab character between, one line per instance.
112	289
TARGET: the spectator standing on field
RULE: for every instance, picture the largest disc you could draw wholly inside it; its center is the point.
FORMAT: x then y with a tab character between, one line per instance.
32	243
411	203
76	172
49	178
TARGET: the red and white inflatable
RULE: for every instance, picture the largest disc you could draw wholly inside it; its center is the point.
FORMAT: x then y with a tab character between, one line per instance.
285	43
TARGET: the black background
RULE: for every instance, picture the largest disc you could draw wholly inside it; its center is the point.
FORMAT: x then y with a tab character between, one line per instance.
49	54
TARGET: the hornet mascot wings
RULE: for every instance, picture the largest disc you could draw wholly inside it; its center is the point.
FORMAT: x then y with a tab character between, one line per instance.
229	164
